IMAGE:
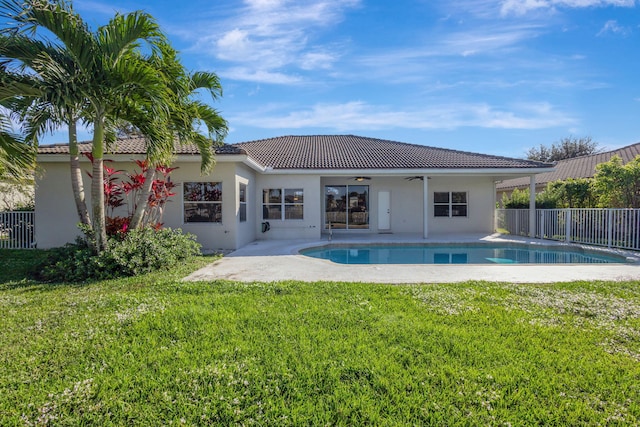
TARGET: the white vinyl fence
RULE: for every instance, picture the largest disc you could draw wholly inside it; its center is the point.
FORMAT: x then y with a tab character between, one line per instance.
17	230
613	228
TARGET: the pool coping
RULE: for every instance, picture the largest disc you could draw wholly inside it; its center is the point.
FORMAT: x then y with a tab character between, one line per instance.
625	257
279	260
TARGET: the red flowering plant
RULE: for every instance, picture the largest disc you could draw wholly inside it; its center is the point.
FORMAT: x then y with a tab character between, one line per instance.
161	191
119	192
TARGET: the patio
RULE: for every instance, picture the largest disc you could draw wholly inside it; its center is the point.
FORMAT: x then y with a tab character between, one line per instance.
279	260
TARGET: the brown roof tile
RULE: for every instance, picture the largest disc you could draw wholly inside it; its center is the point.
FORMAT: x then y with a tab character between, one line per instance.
132	146
332	152
578	167
356	152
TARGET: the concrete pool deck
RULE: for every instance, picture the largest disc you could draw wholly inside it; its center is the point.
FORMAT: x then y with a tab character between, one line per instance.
279	260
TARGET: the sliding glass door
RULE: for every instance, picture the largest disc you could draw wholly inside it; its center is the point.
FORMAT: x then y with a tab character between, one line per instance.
346	207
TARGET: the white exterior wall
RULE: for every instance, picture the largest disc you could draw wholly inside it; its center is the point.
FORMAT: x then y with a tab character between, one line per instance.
246	230
307	228
406	202
56	217
210	235
480	210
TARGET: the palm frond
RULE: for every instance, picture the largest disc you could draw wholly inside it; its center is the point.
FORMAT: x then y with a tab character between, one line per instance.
124	33
17	159
206	80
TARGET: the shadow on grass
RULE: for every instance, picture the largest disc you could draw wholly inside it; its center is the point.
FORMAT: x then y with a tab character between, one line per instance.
18	270
17	266
29	285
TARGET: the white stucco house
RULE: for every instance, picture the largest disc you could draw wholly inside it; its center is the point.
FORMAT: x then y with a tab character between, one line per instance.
302	186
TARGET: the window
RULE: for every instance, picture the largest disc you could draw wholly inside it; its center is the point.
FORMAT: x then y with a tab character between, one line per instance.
450	204
202	202
242	196
346	207
282	204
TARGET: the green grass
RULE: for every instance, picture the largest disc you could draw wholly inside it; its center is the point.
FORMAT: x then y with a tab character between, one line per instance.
156	351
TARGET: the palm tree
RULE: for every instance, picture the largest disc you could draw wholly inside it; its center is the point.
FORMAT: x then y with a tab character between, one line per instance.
185	116
103	79
47	98
108	72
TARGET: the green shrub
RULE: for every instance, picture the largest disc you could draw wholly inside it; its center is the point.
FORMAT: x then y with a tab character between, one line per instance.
145	250
138	252
520	200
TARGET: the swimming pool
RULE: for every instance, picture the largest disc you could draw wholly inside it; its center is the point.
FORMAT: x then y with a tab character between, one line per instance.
458	254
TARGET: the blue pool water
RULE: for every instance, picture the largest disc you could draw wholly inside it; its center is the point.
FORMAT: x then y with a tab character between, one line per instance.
455	254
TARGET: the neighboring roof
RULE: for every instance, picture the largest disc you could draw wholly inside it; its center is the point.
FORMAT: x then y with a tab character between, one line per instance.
132	146
335	152
578	167
357	152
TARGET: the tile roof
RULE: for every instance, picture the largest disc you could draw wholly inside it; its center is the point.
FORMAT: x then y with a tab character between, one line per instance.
132	146
356	152
333	152
578	167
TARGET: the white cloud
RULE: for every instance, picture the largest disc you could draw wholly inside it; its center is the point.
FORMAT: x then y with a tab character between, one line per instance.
258	76
612	26
270	35
317	60
358	115
232	42
521	7
264	4
488	39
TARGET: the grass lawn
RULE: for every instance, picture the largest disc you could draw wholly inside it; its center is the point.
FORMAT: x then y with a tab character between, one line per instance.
155	351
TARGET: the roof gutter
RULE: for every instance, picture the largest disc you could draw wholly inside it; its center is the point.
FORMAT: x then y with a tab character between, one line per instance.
414	171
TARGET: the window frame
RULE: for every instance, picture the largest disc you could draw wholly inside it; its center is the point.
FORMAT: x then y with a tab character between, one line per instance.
242	202
351	206
283	203
218	202
451	206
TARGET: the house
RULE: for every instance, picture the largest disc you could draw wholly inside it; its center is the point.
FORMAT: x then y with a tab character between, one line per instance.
294	187
578	167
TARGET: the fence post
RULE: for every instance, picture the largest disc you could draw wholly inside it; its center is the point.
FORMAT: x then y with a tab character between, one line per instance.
609	227
567	225
536	228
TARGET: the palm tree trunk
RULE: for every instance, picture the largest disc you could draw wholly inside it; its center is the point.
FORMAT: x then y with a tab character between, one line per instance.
97	187
143	199
76	176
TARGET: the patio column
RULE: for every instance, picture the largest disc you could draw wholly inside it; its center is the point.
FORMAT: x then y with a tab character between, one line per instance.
532	206
425	206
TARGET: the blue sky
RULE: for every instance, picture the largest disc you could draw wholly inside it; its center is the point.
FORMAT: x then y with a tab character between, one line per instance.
494	77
